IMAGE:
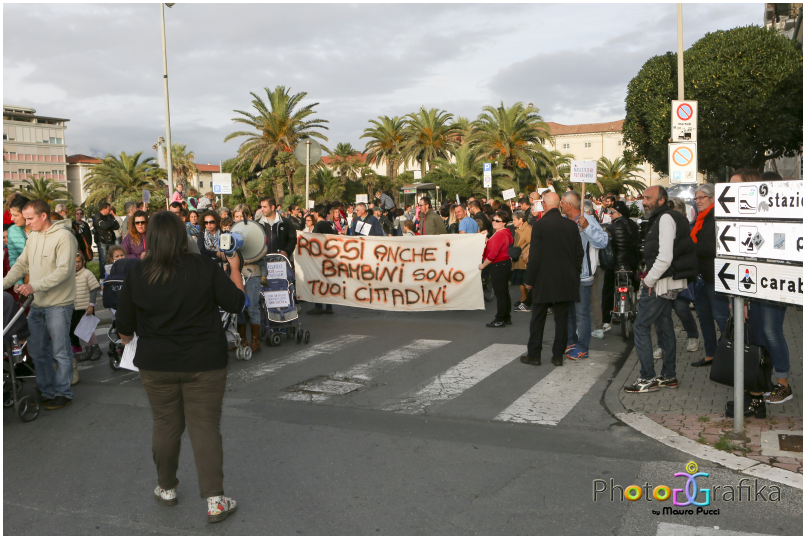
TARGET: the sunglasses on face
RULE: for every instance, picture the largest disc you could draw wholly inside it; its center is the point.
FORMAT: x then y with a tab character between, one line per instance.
209	222
139	223
497	221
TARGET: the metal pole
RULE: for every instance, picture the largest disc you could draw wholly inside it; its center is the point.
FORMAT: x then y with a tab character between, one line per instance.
169	161
307	169
680	52
738	364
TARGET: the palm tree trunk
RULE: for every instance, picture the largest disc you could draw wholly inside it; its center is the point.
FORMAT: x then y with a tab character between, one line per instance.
277	187
243	189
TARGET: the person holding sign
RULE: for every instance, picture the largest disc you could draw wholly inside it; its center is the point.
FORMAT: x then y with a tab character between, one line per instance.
364	224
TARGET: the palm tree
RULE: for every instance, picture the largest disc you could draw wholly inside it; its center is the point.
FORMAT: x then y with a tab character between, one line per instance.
464	128
325	185
115	177
45	189
385	143
279	129
183	163
611	175
513	136
346	162
465	176
429	134
557	167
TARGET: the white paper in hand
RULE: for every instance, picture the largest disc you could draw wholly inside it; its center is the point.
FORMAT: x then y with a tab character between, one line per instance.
86	327
127	360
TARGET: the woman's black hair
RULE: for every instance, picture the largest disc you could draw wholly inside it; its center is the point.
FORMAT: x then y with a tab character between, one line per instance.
167	243
506	217
19	202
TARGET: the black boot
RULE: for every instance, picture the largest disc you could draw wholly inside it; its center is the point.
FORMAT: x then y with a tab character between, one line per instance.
755	406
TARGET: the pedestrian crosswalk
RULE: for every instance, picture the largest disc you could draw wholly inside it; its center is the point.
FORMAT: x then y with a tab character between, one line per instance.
376	379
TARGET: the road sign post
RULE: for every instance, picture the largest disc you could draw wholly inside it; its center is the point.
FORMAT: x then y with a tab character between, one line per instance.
684	121
488	178
683	162
759	235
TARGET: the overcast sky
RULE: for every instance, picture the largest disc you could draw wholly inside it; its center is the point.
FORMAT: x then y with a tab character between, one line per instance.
100	65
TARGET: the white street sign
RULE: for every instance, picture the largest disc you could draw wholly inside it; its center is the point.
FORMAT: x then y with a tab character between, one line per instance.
760	200
488	179
683	162
759	239
684	121
583	171
222	183
759	280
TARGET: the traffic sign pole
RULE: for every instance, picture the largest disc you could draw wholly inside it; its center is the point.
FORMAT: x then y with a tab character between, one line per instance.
307	169
738	365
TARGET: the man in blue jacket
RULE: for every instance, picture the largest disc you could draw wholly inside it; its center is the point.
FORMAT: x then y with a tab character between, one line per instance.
364	224
579	319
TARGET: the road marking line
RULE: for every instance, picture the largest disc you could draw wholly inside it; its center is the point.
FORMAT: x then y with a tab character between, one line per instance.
556	394
459	378
119	377
370	369
327	347
668	528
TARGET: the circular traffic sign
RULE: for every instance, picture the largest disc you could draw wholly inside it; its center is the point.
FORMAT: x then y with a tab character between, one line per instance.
301	152
682	156
684	112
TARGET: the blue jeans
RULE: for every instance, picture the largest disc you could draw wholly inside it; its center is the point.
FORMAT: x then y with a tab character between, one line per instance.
767	324
710	307
652	309
49	342
683	311
579	320
103	248
253	290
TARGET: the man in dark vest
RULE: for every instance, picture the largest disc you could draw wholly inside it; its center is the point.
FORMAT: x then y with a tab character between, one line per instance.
552	273
671	260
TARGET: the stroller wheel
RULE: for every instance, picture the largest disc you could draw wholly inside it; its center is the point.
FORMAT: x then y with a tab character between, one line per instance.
307	337
275	339
28	409
8	400
299	337
114	361
239	353
246	354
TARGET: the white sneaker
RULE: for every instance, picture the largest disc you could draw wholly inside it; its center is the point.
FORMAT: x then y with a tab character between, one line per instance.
692	345
606	327
219	508
598	333
165	496
658	353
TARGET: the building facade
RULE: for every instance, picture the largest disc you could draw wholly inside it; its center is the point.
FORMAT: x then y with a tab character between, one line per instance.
203	181
33	146
78	167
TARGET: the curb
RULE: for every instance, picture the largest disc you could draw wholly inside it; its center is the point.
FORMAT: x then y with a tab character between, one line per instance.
647	427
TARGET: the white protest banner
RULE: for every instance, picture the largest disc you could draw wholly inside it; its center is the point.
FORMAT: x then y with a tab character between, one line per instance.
508	194
276	270
361	198
146	196
276	299
399	273
583	171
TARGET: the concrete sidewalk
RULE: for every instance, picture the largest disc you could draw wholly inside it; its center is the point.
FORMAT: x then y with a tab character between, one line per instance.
696	410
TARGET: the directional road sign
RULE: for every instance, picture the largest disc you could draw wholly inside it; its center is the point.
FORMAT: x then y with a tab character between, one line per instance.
684	121
759	280
774	200
683	162
760	240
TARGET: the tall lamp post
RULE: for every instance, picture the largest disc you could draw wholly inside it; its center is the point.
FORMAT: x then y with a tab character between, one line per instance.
169	162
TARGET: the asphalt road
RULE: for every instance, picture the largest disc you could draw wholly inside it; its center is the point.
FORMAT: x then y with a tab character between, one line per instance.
385	423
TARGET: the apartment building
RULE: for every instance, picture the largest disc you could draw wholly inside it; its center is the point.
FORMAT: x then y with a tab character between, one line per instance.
78	167
203	181
33	146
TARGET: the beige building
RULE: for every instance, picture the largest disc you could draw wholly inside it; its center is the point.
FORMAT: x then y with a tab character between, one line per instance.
33	146
78	167
203	181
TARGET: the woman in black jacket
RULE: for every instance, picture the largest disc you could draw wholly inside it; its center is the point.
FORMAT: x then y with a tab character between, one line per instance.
171	300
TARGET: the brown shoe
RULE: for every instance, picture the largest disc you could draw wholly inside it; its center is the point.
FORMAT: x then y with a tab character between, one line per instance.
255	346
530	360
242	333
557	361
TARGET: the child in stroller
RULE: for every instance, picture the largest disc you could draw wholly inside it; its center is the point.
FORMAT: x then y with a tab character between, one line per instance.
16	363
278	308
112	285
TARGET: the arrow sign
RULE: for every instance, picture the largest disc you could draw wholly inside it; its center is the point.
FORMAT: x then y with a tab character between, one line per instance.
723	238
723	199
722	276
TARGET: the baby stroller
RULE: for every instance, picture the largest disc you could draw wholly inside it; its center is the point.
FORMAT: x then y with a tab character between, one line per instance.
111	293
278	320
230	323
16	364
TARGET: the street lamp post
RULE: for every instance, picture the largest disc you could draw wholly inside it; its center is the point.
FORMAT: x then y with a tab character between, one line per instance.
169	162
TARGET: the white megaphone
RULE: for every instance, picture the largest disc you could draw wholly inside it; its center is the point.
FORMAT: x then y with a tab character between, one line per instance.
247	238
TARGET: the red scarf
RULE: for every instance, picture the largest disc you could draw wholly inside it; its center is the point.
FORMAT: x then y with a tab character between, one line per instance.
698	224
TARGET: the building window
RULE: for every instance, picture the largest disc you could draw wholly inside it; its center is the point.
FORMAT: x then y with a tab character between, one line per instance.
566	146
57	172
619	143
201	184
587	144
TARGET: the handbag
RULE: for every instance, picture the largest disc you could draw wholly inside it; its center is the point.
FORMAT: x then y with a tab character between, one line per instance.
694	288
515	253
757	367
606	257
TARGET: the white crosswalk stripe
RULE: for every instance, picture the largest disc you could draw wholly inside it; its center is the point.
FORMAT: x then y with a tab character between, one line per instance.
550	399
456	380
346	381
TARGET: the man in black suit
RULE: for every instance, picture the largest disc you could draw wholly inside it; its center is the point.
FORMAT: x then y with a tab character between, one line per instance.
555	262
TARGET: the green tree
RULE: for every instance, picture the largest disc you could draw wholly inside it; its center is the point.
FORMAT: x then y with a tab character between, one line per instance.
279	127
748	83
613	175
429	134
385	143
465	176
346	162
183	164
45	189
115	177
326	186
513	136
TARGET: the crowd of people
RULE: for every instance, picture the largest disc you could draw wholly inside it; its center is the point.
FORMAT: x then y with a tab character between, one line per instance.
563	252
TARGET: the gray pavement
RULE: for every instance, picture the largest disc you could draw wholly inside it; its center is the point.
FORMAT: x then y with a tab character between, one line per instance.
348	466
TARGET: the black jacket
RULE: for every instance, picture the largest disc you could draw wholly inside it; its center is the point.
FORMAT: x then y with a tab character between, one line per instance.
281	236
706	247
104	227
178	323
684	252
555	259
625	238
84	238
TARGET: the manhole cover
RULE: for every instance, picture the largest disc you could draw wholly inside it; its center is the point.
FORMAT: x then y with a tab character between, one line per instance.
326	386
791	442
